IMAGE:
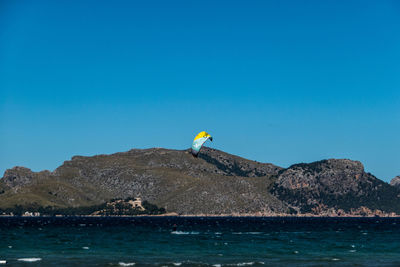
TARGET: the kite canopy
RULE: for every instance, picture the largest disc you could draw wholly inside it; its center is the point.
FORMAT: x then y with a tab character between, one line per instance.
198	142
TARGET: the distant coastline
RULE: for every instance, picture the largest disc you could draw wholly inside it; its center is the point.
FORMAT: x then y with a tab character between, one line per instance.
245	215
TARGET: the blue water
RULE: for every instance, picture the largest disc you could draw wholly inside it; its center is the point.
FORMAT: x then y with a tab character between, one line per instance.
151	241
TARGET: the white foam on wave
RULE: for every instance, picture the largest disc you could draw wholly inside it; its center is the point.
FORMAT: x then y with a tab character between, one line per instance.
217	265
3	261
126	263
30	259
247	233
241	264
85	247
352	250
335	259
245	263
184	233
177	263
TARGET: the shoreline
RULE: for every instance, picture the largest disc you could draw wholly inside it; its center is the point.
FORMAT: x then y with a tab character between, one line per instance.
211	216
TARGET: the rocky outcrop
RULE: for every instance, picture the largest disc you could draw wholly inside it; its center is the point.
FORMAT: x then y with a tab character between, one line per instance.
334	183
395	181
338	176
17	177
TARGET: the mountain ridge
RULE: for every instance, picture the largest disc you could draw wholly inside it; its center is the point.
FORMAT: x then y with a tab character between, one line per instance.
214	183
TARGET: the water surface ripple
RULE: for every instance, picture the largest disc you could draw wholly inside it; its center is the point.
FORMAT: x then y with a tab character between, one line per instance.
199	241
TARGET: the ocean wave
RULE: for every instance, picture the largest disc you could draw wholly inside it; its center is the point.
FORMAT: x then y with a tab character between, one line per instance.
85	247
247	233
237	264
184	233
244	263
30	259
126	263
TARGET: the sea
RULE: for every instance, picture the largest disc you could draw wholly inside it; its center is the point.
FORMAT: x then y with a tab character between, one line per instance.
199	241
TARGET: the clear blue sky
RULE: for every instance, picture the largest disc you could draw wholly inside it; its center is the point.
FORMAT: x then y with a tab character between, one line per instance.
274	81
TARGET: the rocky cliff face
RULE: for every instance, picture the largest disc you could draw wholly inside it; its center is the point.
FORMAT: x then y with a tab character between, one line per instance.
214	183
334	183
235	166
18	177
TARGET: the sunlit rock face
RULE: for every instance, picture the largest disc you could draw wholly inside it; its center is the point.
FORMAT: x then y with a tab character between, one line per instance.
334	183
395	181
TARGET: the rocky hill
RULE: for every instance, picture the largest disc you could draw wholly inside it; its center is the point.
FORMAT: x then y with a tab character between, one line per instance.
214	183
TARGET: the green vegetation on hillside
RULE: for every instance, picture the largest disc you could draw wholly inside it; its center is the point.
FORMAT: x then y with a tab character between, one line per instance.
113	207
